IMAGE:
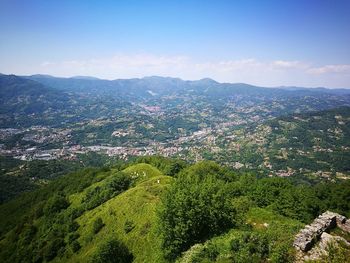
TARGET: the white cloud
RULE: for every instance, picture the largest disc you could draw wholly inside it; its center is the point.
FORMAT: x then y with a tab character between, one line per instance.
285	64
345	69
250	70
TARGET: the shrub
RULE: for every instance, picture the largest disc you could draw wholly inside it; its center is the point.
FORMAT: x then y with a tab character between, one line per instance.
119	183
249	247
53	248
210	251
73	236
97	225
128	226
75	212
100	194
194	209
112	251
75	246
73	226
281	254
55	204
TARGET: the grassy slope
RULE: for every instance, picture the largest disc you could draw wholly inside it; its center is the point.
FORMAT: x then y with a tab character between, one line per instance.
137	205
278	228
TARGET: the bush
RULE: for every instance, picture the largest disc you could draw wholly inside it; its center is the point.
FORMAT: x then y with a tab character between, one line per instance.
119	183
249	247
28	233
100	194
73	226
55	204
210	251
194	209
112	251
53	248
97	225
128	226
72	237
75	212
281	254
75	246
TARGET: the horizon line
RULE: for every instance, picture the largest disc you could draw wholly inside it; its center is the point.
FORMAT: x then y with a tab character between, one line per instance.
89	77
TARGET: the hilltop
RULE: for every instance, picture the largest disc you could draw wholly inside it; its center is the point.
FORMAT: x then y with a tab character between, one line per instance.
96	195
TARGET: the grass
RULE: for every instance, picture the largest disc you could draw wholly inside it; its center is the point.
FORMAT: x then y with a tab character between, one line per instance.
135	207
279	229
131	217
339	232
142	172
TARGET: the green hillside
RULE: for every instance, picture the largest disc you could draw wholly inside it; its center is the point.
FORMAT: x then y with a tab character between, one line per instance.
132	212
131	216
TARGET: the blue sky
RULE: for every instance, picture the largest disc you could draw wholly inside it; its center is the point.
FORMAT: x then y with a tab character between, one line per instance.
269	43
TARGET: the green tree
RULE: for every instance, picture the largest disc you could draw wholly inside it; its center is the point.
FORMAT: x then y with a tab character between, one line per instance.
194	209
56	204
97	225
113	251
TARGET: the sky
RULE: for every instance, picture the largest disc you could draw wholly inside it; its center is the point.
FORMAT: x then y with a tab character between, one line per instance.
265	42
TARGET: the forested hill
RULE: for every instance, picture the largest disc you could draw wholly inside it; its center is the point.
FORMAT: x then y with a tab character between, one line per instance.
316	144
27	101
160	210
19	95
156	86
317	141
47	100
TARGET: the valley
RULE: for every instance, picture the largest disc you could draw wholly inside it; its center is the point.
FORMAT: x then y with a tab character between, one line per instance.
273	131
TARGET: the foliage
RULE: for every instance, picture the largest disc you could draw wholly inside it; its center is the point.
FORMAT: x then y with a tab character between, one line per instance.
97	225
205	208
53	248
56	204
112	251
250	247
194	209
112	187
128	226
75	245
298	202
170	167
18	176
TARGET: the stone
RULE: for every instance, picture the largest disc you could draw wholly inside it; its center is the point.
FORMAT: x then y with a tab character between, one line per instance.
306	238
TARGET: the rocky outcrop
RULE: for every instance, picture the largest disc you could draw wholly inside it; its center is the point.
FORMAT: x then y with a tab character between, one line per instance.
327	239
320	250
307	237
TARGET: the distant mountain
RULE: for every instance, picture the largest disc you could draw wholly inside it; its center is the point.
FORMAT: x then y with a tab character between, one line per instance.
318	89
84	77
40	76
27	96
138	87
27	101
84	97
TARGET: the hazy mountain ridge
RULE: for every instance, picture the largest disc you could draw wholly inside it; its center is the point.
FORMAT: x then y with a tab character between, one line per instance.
157	83
70	99
12	87
26	102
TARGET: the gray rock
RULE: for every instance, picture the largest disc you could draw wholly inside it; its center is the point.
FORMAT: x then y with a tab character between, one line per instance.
306	238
